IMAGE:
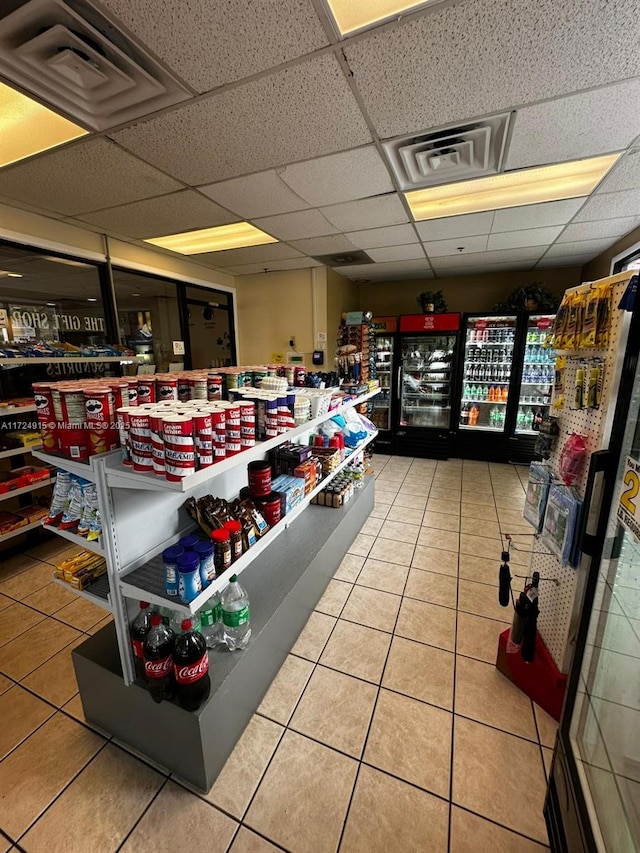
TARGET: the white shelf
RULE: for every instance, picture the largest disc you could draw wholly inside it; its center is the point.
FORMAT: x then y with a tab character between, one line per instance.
112	359
152	574
82	469
19	530
23	491
7	411
123	477
19	451
491	402
480	428
77	540
97	593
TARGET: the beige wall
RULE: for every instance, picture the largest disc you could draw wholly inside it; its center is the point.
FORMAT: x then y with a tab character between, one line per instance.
600	267
462	293
342	295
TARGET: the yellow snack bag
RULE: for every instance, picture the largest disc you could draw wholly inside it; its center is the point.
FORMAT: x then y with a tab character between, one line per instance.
590	320
604	316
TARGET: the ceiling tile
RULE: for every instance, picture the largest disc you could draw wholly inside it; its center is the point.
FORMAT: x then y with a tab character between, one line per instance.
167	214
300	112
251	255
481	268
388	271
83	177
367	213
492	57
528	237
569	261
505	256
397	253
261	194
577	126
599	229
584	248
468	225
395	235
296	226
324	245
536	215
339	177
252	269
610	206
209	44
625	175
438	248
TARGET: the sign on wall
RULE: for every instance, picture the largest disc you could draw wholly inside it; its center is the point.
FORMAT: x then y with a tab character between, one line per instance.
628	509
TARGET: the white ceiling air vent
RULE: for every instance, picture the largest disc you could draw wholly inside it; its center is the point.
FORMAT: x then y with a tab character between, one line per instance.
73	59
448	154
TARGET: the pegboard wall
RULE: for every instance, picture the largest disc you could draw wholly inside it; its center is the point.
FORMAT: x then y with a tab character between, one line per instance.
557	601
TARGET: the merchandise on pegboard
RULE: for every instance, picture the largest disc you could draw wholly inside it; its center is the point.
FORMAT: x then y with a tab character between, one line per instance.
355	351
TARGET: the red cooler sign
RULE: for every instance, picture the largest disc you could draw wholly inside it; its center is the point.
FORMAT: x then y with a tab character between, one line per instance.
385	324
430	323
543	323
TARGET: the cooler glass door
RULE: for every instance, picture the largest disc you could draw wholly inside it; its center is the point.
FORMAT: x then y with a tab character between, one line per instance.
381	414
488	359
426	377
537	376
605	725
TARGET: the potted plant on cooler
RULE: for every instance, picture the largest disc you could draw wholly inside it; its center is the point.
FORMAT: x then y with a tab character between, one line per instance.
531	297
432	302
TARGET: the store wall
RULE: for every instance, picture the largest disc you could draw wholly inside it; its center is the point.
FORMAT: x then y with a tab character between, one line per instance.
462	293
342	295
600	267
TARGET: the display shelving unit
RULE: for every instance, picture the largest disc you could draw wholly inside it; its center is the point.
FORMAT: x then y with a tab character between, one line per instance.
141	516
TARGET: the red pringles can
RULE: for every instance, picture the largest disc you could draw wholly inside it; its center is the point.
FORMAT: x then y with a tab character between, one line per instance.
100	419
140	441
156	417
146	390
120	391
214	386
133	392
122	419
203	435
73	437
184	387
179	447
166	387
43	397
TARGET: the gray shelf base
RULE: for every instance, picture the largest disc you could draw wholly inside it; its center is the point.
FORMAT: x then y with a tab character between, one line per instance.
284	585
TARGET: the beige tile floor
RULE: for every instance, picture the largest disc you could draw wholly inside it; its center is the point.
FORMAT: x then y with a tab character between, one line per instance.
387	729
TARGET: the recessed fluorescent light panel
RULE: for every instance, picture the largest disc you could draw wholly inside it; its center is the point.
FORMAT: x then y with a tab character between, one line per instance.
511	189
350	16
28	127
236	236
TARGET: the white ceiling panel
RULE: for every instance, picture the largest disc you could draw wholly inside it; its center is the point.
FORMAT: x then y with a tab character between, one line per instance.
397	253
493	56
395	235
250	255
468	225
261	194
368	213
565	129
388	271
330	245
625	175
167	214
610	206
83	177
252	269
536	215
529	237
583	249
507	256
209	44
293	114
339	177
439	248
448	272
296	226
569	261
599	229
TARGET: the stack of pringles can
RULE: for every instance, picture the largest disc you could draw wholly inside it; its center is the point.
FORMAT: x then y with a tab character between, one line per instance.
176	423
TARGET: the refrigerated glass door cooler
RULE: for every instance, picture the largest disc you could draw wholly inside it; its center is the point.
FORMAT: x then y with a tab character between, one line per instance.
385	329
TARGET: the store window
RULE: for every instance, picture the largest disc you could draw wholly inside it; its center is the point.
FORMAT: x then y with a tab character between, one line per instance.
211	330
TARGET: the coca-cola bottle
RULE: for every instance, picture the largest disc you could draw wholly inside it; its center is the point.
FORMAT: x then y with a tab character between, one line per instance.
139	630
191	668
158	660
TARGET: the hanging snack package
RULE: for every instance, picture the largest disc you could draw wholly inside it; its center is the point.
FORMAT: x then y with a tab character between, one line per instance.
572	458
604	316
557	331
537	494
590	320
547	437
73	507
574	321
560	372
560	522
594	392
59	498
578	394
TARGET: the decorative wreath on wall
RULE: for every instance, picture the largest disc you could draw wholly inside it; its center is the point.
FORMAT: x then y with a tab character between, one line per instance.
432	302
531	297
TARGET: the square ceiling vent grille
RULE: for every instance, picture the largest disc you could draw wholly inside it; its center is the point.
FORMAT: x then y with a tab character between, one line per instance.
72	58
448	154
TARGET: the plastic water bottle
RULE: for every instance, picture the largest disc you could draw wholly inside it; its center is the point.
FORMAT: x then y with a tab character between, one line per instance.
235	615
210	622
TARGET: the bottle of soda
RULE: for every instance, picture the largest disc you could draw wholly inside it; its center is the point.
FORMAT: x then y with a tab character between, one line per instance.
158	660
191	668
235	615
138	631
211	621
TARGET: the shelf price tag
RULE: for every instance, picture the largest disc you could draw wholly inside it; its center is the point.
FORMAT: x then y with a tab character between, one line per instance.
628	510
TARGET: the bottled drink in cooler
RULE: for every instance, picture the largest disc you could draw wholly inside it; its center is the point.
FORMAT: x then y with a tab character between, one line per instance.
211	626
464	415
158	660
191	668
236	615
139	630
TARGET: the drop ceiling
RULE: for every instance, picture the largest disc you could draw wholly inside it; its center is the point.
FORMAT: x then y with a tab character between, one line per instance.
283	123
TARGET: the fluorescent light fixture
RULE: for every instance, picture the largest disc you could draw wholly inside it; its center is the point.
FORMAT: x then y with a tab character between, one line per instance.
236	236
14	275
28	127
67	262
91	299
51	304
511	189
353	15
